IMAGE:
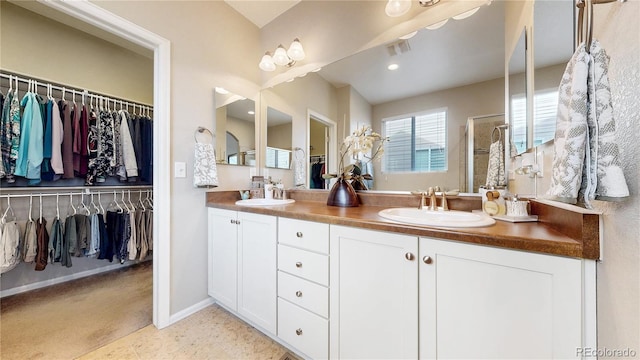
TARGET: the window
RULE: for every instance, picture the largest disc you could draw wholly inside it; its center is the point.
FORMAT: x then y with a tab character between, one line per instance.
278	158
518	126
416	143
545	110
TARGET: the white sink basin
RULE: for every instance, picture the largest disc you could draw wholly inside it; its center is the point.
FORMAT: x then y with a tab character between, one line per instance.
264	202
452	218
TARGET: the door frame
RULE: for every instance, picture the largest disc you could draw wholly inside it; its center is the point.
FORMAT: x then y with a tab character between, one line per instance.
332	147
94	15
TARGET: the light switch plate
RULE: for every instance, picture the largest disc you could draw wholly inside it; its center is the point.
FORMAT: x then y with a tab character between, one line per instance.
180	169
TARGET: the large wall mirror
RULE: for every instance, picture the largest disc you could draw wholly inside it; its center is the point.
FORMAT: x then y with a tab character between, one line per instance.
279	139
235	129
553	44
518	124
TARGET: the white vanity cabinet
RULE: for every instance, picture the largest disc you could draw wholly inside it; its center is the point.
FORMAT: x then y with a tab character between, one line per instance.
374	294
489	303
242	264
303	286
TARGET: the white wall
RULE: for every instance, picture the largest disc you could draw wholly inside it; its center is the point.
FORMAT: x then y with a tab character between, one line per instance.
211	45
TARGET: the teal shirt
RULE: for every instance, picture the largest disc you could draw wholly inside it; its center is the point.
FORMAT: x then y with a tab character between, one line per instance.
30	152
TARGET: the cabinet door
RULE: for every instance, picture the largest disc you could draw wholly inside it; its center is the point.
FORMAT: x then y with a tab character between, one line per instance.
488	303
223	256
374	294
257	269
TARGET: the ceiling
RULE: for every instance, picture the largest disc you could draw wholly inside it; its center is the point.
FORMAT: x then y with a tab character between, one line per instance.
261	12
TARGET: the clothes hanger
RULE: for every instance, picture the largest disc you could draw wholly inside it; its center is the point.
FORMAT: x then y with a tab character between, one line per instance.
114	206
131	205
75	211
124	203
12	215
40	208
100	204
58	206
83	206
141	202
149	200
94	206
30	207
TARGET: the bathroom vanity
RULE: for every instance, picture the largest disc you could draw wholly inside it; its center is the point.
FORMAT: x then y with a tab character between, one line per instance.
331	282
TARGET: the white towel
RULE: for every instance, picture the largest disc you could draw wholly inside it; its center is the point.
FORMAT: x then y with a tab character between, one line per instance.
586	164
205	172
495	169
299	169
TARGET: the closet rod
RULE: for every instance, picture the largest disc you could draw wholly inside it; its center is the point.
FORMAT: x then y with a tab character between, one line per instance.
79	188
101	192
60	87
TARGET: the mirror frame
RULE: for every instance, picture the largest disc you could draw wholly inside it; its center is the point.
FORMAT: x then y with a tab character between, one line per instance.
523	39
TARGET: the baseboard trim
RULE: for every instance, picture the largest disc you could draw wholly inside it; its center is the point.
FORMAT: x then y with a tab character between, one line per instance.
62	279
190	310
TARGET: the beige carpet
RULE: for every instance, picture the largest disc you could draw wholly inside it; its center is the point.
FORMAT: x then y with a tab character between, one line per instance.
68	320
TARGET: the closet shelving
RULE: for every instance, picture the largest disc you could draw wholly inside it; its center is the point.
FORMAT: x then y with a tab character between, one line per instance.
21	203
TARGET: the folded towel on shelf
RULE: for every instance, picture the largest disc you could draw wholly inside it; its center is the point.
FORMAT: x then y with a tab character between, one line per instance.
495	169
205	172
586	164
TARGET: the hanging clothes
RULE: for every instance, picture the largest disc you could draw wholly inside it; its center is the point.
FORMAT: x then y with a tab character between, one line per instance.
30	152
119	169
80	135
132	245
83	232
9	244
93	247
43	244
146	127
141	234
10	134
106	149
30	245
127	146
93	147
56	240
67	142
47	171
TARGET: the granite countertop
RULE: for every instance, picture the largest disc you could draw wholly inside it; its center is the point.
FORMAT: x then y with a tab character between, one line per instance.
559	231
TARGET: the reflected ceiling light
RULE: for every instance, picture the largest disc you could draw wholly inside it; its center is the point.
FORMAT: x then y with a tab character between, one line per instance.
466	14
222	91
316	70
409	35
393	67
437	25
395	8
282	57
251	112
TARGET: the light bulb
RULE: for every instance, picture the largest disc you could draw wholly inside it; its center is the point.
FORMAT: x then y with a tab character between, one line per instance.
266	64
296	52
397	8
466	14
280	56
437	25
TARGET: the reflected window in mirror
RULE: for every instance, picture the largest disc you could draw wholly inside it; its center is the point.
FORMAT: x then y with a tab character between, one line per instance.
416	143
518	96
279	139
553	44
235	130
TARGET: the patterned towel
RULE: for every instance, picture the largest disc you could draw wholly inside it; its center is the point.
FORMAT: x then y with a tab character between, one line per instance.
495	170
585	161
205	172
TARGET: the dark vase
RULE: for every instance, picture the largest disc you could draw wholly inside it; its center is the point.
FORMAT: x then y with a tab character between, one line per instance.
342	194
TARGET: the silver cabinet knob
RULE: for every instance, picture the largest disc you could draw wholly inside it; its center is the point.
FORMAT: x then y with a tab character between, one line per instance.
427	260
409	256
298	332
232	221
298	264
299	293
299	234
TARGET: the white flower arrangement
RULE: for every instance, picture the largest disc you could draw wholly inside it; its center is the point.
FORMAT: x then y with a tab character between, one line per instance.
364	146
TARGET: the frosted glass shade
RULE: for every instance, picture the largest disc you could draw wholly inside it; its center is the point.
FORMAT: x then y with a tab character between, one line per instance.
296	52
280	56
397	8
267	64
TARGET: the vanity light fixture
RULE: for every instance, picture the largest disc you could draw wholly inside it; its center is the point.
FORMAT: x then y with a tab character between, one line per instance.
466	14
282	57
437	25
395	8
221	90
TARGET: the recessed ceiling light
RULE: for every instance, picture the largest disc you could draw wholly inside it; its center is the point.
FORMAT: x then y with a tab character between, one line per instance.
316	70
393	67
466	14
251	112
409	35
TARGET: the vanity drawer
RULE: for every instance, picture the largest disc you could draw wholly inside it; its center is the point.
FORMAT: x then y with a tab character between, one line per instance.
305	264
304	234
307	332
303	293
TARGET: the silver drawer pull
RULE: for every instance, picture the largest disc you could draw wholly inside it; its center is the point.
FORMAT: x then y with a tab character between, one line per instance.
427	260
232	221
409	256
298	264
298	332
299	293
299	234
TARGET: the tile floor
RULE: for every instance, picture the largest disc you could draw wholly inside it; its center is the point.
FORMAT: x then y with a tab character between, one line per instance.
212	333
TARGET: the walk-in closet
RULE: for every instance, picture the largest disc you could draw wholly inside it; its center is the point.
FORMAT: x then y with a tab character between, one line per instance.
76	176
